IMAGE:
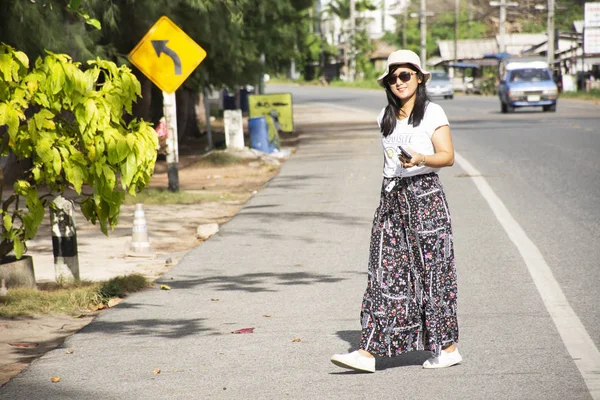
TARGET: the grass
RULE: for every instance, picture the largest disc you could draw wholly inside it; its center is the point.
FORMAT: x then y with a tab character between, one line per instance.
593	94
361	84
219	158
68	297
164	196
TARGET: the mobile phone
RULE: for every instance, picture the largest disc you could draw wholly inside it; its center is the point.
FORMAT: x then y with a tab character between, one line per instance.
405	153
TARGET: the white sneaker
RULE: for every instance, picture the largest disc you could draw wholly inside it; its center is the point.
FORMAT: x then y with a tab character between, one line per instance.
444	360
354	360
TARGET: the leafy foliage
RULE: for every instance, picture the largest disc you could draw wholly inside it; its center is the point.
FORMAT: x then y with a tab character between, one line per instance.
71	123
234	33
56	25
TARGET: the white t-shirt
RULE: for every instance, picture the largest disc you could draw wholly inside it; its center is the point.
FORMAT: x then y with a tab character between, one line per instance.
411	138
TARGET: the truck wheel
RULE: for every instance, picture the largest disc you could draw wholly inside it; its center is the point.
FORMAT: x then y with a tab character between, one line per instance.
551	108
503	108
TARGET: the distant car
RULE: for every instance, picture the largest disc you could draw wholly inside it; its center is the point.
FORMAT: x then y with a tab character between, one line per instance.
527	84
439	85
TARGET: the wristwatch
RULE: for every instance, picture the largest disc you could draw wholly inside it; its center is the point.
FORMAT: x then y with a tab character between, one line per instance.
422	162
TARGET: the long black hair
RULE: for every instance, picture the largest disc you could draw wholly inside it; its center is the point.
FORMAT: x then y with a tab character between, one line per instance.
388	122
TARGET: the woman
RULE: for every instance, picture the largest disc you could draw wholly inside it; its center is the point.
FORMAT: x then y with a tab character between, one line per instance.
410	300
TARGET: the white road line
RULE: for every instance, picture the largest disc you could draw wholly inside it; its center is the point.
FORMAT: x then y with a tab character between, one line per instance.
576	339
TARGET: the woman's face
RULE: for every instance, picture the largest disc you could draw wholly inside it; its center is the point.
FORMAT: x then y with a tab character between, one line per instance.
403	82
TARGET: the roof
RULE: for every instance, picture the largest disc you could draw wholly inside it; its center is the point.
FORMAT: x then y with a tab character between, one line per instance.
563	45
468	49
516	43
477	49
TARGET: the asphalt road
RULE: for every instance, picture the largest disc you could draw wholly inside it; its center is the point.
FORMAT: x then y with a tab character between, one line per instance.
292	265
545	167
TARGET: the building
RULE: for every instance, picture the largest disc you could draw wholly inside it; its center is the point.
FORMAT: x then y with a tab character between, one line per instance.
336	28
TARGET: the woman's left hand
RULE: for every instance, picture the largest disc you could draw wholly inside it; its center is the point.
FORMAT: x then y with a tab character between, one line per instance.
416	158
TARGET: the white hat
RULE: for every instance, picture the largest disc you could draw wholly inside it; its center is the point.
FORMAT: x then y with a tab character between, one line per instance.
403	57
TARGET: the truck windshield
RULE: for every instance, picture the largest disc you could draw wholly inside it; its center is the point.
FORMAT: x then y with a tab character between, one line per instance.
529	75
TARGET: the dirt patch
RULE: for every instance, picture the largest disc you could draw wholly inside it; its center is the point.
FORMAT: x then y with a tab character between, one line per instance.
25	339
173	233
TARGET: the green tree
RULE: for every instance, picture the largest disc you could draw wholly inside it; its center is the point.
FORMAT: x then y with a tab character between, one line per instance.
233	32
71	124
55	25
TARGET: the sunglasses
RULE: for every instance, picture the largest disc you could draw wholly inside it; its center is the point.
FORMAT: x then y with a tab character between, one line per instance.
404	77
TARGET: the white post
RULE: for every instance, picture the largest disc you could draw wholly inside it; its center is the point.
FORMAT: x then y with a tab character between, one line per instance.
234	130
170	113
64	239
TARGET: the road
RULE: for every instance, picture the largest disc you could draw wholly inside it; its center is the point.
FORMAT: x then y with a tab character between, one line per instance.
292	265
543	166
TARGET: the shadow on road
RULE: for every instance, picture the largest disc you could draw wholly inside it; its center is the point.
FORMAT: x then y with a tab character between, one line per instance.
254	282
151	327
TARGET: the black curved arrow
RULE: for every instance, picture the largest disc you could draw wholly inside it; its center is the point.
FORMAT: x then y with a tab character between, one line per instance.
160	46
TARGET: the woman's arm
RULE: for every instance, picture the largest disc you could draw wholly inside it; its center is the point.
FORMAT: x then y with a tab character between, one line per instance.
443	148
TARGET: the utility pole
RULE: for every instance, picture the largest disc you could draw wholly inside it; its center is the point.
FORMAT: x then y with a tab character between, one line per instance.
551	39
319	31
423	20
456	14
405	16
470	9
382	16
261	78
502	4
351	60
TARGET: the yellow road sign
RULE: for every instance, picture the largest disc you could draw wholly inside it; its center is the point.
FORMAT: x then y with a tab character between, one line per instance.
167	55
279	104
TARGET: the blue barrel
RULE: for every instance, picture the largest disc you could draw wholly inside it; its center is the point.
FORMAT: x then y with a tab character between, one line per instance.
259	134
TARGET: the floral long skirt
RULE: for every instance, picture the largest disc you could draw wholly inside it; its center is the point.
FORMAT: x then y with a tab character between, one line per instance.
410	300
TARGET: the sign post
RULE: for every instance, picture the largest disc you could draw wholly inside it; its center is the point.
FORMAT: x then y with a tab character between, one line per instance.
170	112
167	56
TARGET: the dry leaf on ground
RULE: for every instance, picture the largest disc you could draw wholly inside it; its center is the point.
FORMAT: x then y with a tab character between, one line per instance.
244	330
24	345
296	340
156	371
165	287
55	379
